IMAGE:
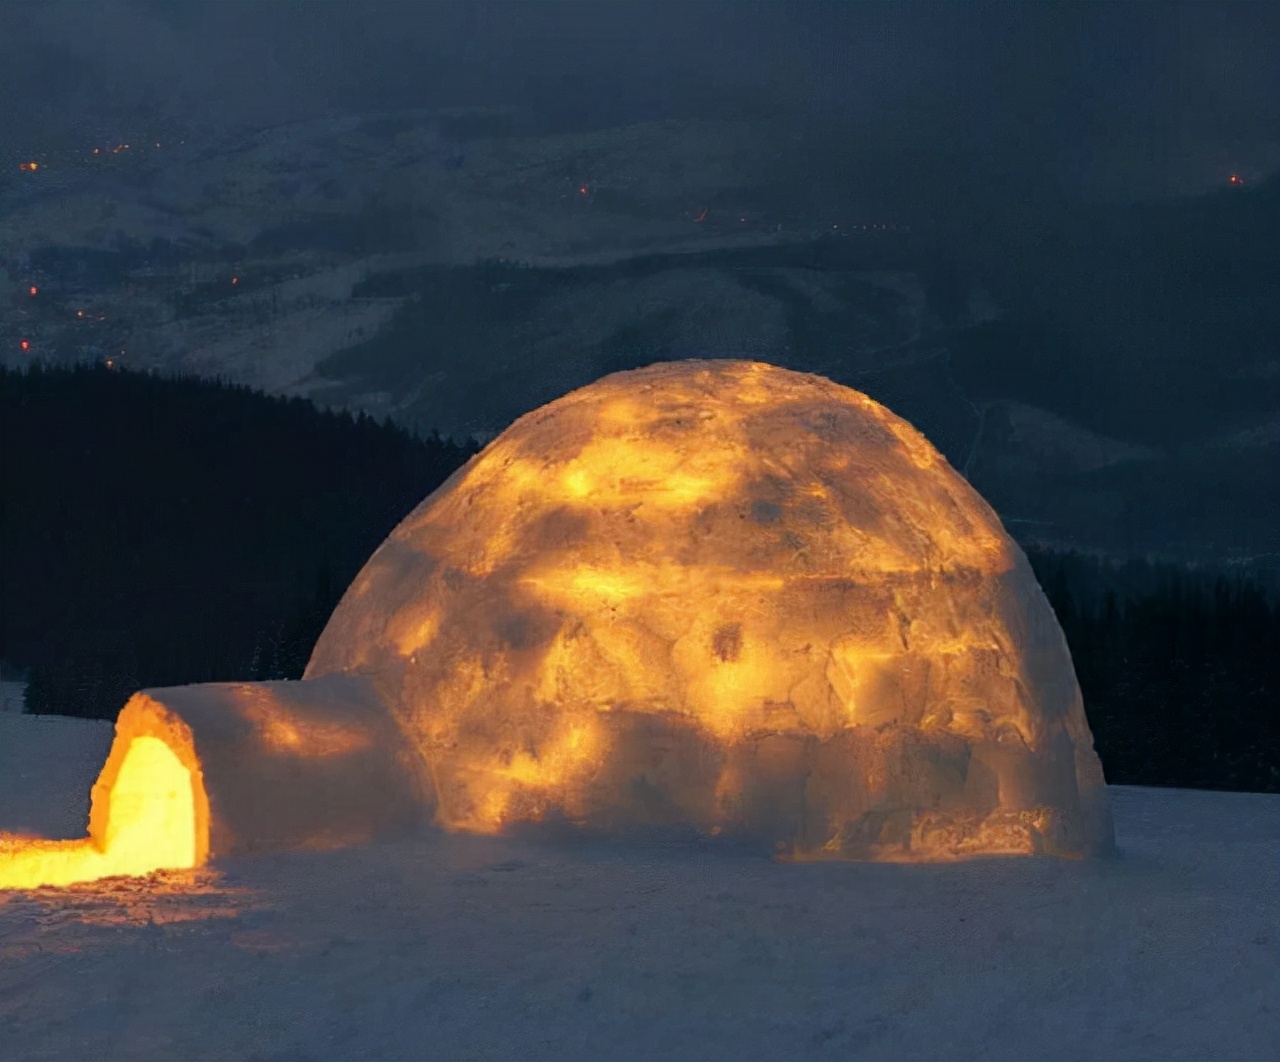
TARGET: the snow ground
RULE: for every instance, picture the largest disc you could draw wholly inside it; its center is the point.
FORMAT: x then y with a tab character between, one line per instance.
452	947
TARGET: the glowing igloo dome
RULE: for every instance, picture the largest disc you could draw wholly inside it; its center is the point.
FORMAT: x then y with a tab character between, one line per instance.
732	596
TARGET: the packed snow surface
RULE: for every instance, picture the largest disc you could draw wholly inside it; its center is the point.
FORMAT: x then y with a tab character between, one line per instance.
453	947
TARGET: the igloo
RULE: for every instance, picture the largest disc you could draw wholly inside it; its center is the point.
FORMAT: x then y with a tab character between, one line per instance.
716	595
726	595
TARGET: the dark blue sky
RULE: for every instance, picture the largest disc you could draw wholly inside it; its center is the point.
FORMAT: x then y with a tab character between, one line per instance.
1138	98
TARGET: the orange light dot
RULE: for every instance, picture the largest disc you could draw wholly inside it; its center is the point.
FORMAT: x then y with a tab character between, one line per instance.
79	313
25	344
235	280
33	290
582	189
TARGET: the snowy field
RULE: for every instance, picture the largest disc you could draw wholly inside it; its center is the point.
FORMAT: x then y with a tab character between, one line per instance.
451	947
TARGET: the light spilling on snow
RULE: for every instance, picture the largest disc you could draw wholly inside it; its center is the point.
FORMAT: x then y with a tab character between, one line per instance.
144	820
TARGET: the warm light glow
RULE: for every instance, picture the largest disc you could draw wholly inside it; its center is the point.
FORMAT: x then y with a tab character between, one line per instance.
291	732
150	825
420	633
542	780
719	593
33	290
25	345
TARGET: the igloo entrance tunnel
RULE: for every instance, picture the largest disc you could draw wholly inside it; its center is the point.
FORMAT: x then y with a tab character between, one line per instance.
715	594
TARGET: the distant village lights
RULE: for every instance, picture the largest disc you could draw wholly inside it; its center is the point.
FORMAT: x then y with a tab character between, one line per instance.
31	165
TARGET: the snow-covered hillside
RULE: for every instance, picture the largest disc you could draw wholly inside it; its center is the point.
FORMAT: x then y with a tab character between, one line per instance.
350	260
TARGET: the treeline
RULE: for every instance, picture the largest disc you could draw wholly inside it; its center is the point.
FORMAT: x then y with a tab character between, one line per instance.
161	531
164	531
1180	670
